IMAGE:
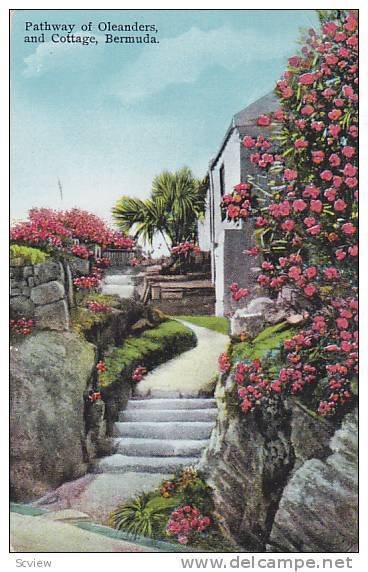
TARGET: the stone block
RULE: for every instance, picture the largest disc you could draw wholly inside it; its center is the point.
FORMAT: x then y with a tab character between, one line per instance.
53	316
31	282
249	323
171	295
15	292
27	271
48	271
252	318
21	307
26	291
47	293
79	266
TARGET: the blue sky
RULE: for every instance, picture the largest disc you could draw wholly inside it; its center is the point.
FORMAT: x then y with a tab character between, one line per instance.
106	119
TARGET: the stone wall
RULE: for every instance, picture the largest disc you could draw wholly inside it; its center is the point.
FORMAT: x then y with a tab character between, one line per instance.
284	480
43	292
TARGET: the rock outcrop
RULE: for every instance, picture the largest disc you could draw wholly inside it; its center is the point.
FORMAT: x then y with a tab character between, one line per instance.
50	372
247	463
283	479
318	509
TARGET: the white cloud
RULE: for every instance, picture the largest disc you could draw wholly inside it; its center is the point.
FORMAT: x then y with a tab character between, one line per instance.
50	56
182	59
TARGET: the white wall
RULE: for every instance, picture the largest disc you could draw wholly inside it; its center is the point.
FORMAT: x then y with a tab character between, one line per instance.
230	158
204	230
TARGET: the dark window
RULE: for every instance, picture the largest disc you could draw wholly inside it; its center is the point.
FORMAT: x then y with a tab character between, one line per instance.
222	180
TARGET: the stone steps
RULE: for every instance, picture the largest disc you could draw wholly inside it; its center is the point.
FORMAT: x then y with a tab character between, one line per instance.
160	435
157	448
168	415
164	403
160	430
123	463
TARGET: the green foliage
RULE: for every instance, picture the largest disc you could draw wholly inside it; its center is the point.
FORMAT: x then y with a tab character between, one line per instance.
215	323
177	201
144	516
83	319
267	341
149	513
149	349
113	301
27	254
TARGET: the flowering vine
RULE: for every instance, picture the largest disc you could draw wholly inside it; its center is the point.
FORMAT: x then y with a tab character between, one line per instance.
308	228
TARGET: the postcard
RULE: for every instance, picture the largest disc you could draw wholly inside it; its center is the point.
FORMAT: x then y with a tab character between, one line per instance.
183	284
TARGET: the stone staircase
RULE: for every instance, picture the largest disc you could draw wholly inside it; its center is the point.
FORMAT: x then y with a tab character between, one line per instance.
160	435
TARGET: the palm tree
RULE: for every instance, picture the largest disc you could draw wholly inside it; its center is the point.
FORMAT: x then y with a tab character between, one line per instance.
143	216
177	202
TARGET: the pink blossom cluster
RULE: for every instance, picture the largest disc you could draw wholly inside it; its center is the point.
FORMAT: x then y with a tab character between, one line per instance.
327	349
22	326
81	251
97	307
87	282
238	204
40	230
103	262
47	227
238	293
139	373
186	523
224	362
310	225
186	248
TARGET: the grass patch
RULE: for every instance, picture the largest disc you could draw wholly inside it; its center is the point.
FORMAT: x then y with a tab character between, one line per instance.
215	323
267	341
150	349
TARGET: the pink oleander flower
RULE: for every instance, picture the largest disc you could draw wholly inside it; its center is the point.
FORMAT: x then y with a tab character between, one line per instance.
306	78
340	205
318	157
299	205
263	120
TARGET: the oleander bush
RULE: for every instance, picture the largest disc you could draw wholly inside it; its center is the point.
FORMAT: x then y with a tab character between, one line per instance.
307	226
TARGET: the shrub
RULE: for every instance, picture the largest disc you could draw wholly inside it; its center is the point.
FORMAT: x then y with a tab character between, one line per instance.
52	229
308	230
184	498
144	516
27	254
110	300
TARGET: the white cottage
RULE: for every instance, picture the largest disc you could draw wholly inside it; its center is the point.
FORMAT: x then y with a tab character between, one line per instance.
226	241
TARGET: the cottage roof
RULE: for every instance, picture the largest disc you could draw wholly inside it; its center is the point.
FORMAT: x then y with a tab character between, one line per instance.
246	117
264	104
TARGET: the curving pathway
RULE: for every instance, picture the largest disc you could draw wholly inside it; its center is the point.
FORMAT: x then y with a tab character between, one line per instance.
190	373
167	425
